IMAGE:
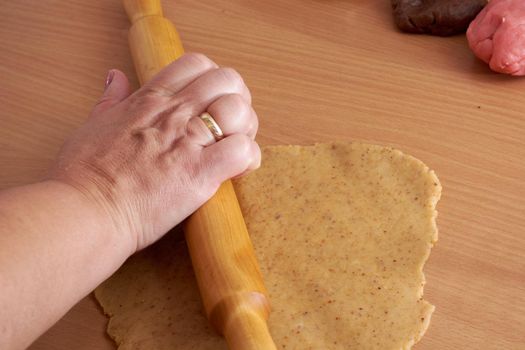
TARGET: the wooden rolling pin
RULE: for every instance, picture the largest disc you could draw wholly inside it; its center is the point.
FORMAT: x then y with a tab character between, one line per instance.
228	275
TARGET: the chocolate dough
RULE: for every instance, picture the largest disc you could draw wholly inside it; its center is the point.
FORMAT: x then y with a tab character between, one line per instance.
436	17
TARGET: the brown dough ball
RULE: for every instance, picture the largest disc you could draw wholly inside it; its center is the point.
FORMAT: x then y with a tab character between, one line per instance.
436	17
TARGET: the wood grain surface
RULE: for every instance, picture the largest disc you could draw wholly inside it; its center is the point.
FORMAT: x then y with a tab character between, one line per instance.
319	70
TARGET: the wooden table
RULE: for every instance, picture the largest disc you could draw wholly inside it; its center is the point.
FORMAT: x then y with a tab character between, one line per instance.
319	71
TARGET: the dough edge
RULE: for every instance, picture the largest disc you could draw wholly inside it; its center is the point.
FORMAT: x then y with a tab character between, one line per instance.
432	201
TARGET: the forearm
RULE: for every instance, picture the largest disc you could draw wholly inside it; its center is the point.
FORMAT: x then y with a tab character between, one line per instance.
55	247
150	157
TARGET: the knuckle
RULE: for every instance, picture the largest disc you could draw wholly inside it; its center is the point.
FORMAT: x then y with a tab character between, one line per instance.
244	148
145	138
238	103
155	91
146	97
253	124
231	76
200	61
195	127
256	151
233	103
139	111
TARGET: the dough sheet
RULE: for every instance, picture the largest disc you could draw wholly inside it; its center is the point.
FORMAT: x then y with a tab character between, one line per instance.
341	231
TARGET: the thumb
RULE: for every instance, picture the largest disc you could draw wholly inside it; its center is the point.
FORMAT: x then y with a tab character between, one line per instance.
116	90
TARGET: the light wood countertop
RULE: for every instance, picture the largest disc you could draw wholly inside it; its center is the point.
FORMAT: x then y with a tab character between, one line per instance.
318	71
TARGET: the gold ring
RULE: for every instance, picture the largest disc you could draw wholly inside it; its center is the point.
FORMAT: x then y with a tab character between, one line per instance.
212	125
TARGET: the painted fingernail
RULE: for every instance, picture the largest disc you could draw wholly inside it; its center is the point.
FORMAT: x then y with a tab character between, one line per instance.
109	78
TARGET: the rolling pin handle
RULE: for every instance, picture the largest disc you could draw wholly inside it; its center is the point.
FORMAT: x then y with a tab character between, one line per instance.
241	318
247	330
137	9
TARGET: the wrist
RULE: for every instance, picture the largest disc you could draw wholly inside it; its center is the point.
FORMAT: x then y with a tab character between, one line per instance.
101	212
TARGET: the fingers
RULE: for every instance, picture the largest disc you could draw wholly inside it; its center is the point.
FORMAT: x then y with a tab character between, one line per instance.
177	75
230	157
198	95
116	90
233	115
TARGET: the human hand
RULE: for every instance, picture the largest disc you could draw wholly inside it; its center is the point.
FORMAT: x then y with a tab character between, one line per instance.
147	159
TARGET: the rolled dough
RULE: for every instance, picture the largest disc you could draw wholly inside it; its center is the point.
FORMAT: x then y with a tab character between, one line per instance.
342	232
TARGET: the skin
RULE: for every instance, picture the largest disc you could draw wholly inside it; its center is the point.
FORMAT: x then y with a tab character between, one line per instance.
140	164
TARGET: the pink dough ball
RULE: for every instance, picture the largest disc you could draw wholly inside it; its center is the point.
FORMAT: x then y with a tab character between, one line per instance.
497	36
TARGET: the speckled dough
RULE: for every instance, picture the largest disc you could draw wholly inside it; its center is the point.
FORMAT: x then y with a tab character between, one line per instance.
497	36
342	232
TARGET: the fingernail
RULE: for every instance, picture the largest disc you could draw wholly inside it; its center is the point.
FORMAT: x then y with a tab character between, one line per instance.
109	78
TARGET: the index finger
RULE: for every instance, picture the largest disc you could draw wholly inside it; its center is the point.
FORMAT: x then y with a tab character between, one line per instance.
178	74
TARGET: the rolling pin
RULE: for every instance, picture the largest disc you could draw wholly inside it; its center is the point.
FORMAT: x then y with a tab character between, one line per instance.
228	275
